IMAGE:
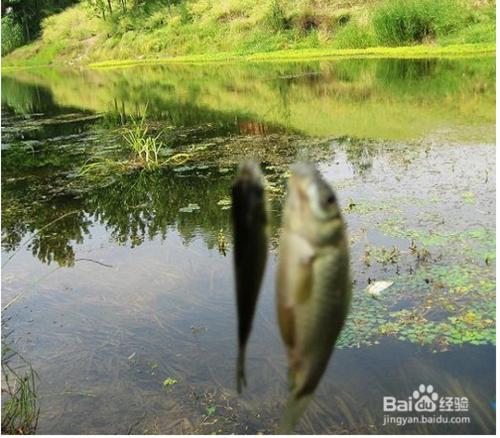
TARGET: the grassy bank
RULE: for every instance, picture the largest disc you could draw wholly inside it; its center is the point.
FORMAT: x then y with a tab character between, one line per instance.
420	51
206	30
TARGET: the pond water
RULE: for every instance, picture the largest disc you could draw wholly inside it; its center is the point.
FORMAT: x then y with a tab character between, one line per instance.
123	278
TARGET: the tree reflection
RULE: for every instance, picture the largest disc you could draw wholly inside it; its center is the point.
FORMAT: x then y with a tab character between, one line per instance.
232	111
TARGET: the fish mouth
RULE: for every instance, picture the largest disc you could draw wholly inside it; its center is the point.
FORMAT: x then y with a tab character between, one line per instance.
310	193
304	176
304	170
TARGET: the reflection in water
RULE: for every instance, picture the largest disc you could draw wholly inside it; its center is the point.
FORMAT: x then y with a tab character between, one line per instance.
360	98
408	145
138	206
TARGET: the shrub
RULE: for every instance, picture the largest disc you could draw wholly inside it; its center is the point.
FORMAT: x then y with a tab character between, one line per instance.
343	18
184	14
73	24
307	20
401	22
275	17
12	34
355	36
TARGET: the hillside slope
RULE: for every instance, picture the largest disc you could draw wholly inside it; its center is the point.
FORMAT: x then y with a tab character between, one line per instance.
209	27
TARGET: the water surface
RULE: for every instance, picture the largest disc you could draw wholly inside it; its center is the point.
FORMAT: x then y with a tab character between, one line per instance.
125	281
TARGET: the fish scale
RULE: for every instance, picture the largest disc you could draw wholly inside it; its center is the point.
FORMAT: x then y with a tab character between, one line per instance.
317	320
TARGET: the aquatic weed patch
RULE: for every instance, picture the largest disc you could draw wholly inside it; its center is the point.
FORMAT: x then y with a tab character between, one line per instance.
20	405
477	242
437	306
446	294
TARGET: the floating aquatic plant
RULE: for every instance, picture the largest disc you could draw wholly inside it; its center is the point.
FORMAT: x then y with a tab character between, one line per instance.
448	306
169	381
189	208
221	242
224	203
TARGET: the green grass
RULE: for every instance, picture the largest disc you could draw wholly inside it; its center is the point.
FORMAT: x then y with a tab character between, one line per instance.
403	22
145	147
355	36
200	30
20	409
419	51
148	152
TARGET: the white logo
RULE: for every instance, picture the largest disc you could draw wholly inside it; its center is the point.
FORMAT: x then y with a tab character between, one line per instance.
426	399
424	406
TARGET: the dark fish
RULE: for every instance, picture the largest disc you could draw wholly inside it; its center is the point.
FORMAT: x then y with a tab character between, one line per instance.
250	219
313	284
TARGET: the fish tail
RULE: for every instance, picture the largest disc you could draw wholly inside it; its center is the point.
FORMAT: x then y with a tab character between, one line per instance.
295	407
240	370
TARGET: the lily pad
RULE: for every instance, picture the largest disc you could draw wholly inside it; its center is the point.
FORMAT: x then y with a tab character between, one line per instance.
224	203
189	208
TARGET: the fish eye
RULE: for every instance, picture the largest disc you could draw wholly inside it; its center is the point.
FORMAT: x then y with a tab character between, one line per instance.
331	199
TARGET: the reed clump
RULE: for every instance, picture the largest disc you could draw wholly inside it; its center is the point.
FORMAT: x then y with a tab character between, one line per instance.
20	408
144	146
403	22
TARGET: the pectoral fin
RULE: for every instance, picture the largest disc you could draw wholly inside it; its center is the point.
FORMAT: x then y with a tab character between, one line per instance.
300	269
304	277
294	282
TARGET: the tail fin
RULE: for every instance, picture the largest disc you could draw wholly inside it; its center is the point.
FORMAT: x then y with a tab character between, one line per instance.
240	370
295	407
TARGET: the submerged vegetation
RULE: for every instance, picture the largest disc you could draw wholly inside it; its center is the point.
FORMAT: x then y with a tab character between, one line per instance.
98	31
20	407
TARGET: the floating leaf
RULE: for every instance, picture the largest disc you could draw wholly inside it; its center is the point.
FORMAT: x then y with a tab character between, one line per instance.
169	381
190	208
468	197
224	203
